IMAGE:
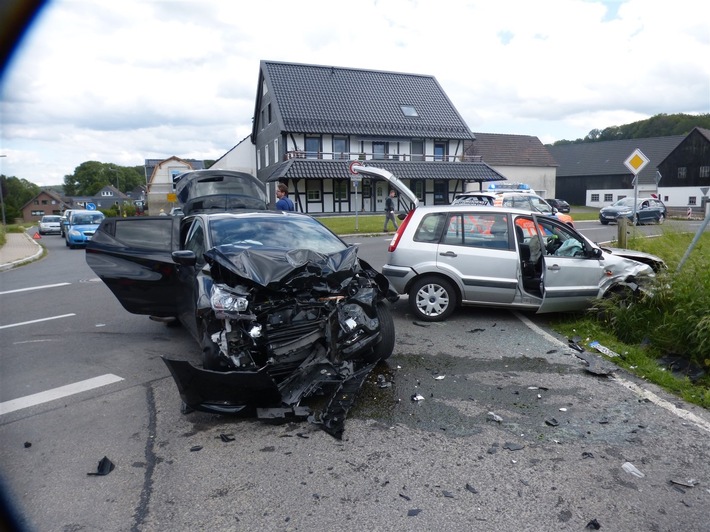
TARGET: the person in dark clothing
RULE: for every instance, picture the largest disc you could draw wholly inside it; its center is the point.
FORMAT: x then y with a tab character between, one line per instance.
389	211
284	203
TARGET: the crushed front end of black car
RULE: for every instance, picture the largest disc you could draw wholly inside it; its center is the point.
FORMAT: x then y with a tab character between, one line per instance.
281	326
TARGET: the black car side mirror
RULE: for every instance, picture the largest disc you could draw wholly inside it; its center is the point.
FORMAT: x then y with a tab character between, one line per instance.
184	257
595	253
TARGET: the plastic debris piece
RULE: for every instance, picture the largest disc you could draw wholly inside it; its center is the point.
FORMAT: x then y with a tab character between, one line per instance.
604	350
593	525
492	416
417	397
104	468
587	454
226	437
447	494
302	435
533	388
476	330
27	445
573	343
439	377
690	483
563	409
552	422
511	446
631	469
469	487
382	382
596	364
413	512
405	497
195	448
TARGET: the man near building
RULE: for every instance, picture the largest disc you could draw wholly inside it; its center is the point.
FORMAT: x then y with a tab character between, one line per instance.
284	203
389	211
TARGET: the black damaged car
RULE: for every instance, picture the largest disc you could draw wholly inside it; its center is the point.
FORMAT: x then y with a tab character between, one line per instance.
282	308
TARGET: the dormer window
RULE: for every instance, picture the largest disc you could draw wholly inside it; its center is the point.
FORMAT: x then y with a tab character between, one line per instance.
409	110
106	193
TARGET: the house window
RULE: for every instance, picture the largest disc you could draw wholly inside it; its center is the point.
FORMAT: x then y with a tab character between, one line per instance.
379	150
44	202
313	148
682	172
705	171
692	200
276	150
313	189
441	193
106	193
262	119
417	150
595	197
607	197
340	189
37	213
340	148
439	151
408	110
417	186
620	196
269	111
266	155
258	159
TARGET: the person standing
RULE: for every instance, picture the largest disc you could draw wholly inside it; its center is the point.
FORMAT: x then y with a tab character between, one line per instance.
389	211
284	203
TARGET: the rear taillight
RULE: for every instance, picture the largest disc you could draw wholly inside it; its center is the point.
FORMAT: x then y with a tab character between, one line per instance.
400	231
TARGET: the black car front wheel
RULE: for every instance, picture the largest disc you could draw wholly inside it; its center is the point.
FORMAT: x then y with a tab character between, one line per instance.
384	348
432	299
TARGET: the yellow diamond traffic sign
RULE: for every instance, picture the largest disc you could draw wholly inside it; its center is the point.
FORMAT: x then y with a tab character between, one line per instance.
636	161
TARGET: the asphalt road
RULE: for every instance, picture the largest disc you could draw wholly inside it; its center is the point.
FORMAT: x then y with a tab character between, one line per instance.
512	433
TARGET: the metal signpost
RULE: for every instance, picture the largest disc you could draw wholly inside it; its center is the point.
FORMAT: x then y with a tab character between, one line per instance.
356	179
635	162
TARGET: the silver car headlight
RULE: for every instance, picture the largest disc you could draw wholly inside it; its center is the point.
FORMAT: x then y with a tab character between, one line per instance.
224	301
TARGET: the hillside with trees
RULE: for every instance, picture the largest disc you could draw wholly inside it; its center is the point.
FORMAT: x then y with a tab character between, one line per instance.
661	125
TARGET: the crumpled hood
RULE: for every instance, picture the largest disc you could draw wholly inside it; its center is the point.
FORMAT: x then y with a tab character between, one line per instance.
656	263
278	269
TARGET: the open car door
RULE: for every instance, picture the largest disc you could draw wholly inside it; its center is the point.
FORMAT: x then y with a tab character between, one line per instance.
133	257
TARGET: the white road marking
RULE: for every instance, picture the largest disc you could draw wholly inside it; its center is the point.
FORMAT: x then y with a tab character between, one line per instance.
641	392
57	393
33	341
33	288
36	321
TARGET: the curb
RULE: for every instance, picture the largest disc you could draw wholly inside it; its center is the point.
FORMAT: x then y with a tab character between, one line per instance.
25	260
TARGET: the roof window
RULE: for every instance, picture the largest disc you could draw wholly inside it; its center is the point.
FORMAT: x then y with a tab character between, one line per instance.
409	110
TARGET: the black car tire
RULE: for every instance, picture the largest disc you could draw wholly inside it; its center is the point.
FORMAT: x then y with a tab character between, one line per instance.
384	348
436	290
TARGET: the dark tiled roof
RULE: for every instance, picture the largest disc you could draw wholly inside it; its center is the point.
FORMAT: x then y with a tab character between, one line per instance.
607	157
510	150
348	101
327	169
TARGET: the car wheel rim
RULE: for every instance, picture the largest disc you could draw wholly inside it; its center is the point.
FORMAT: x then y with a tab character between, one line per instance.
661	219
432	300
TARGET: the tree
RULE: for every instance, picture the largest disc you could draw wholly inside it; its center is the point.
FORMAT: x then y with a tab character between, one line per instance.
15	193
91	176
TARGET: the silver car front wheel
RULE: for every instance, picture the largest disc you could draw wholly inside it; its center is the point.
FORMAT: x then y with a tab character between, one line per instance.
432	299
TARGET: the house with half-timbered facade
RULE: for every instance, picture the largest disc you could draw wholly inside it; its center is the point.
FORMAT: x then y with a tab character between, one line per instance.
311	121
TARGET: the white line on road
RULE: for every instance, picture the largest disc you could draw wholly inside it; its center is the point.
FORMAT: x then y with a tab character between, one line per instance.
57	393
643	393
36	321
33	288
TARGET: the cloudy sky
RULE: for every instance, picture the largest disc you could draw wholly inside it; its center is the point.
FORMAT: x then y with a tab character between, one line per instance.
124	81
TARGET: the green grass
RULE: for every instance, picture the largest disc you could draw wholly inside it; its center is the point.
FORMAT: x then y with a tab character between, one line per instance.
348	225
673	320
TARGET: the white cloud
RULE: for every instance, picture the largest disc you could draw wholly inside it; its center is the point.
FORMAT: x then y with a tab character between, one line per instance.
124	81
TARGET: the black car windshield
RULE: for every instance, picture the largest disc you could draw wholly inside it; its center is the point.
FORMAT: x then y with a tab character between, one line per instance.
283	232
623	202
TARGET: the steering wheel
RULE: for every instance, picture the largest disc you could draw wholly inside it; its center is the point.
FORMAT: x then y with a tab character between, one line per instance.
553	244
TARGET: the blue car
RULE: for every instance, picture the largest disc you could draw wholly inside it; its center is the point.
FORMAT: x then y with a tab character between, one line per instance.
81	226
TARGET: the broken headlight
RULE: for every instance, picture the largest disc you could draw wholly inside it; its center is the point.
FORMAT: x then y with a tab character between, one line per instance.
226	303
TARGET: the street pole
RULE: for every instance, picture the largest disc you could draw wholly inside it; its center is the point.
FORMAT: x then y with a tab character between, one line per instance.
2	200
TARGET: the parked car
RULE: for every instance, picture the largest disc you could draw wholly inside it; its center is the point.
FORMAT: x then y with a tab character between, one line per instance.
64	221
50	224
559	204
176	211
530	202
280	306
647	210
474	198
81	226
